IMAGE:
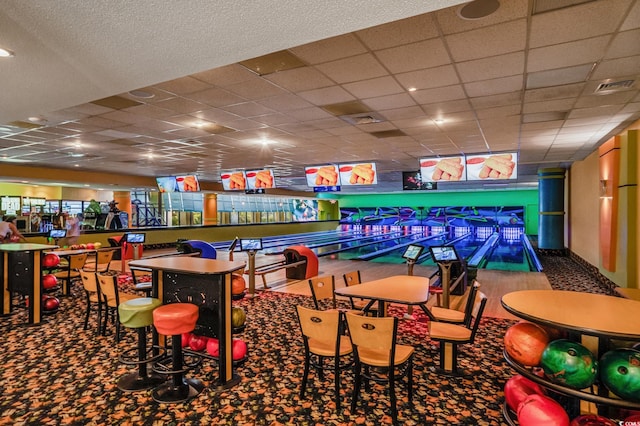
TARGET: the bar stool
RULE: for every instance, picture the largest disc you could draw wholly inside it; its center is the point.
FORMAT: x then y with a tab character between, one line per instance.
138	314
173	320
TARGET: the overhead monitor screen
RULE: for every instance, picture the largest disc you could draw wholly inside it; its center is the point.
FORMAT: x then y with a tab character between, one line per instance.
358	174
444	254
167	184
492	166
135	238
257	179
250	244
325	175
234	180
443	169
188	183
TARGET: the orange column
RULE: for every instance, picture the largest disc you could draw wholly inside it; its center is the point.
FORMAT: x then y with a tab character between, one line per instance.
123	198
609	180
210	209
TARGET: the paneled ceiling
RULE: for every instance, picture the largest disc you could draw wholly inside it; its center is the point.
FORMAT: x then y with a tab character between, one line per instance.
550	79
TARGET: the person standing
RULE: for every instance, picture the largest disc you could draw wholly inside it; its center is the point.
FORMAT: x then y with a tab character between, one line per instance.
9	232
73	229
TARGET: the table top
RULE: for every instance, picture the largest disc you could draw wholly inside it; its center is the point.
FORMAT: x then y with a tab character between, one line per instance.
403	289
587	313
62	253
25	247
629	293
190	265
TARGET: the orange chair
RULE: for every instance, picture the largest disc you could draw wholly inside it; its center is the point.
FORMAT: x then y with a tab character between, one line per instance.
92	292
111	297
72	272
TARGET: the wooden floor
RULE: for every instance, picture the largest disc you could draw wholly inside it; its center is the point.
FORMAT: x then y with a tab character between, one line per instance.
494	284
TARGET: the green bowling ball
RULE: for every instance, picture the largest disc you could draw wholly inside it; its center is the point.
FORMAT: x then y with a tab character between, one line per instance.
620	373
569	364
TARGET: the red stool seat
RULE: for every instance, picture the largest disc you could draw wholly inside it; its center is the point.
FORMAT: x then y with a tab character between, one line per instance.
175	318
437	290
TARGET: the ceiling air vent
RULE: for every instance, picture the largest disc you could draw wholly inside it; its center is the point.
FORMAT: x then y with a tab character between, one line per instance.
612	86
366	118
388	134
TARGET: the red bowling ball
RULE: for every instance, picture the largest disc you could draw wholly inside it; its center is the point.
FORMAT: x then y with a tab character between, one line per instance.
238	284
518	388
239	349
185	339
49	282
197	343
213	347
592	420
525	342
50	260
539	410
50	303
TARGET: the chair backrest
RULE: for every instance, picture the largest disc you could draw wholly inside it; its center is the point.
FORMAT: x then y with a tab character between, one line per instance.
103	259
374	333
471	299
89	281
319	325
322	288
352	278
108	288
478	309
77	261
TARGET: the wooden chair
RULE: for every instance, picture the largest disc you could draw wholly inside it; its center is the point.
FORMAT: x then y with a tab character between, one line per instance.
72	272
323	341
353	278
452	335
103	260
322	291
145	286
111	297
378	357
90	284
457	314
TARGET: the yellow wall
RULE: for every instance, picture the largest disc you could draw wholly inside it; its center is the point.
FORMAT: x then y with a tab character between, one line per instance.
583	206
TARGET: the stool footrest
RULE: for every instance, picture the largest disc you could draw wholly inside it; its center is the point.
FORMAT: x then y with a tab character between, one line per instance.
162	367
130	357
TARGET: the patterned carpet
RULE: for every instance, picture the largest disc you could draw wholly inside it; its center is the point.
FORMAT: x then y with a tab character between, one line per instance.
59	374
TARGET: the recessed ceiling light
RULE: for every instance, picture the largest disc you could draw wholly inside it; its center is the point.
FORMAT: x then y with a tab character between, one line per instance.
478	9
438	120
6	53
412	89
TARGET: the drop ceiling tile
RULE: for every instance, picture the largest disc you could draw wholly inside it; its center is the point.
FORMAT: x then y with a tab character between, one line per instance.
247	109
152	111
489	68
181	105
361	67
556	92
183	86
273	119
429	78
308	114
567	54
400	32
558	77
551	105
551	28
494	87
229	75
402	113
496	100
390	102
504	111
621	67
411	57
284	103
255	89
295	80
373	88
609	99
329	49
441	94
625	44
632	19
87	109
446	107
216	97
451	22
327	96
489	41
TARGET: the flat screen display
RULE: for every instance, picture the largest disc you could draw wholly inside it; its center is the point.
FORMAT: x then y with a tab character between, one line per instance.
358	174
412	181
497	166
443	169
444	254
167	184
250	244
260	179
323	175
57	233
135	238
188	183
234	180
413	252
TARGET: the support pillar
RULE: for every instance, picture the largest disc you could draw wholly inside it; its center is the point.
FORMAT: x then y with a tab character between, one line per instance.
551	213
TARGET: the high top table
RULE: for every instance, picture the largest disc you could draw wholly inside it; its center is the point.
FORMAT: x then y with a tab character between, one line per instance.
22	273
402	289
206	283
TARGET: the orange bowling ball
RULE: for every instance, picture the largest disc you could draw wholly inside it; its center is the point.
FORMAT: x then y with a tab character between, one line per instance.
238	284
525	342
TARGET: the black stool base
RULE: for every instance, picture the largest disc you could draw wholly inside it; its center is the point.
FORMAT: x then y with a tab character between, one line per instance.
134	382
170	394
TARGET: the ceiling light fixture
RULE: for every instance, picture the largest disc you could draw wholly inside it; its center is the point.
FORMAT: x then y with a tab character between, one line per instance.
6	53
412	89
478	9
141	94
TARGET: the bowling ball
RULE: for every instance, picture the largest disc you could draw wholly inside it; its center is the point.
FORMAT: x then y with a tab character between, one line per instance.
525	342
97	245
90	246
620	373
50	260
237	284
537	410
213	347
50	303
185	339
197	343
592	420
238	317
238	349
49	282
518	388
569	363
14	239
